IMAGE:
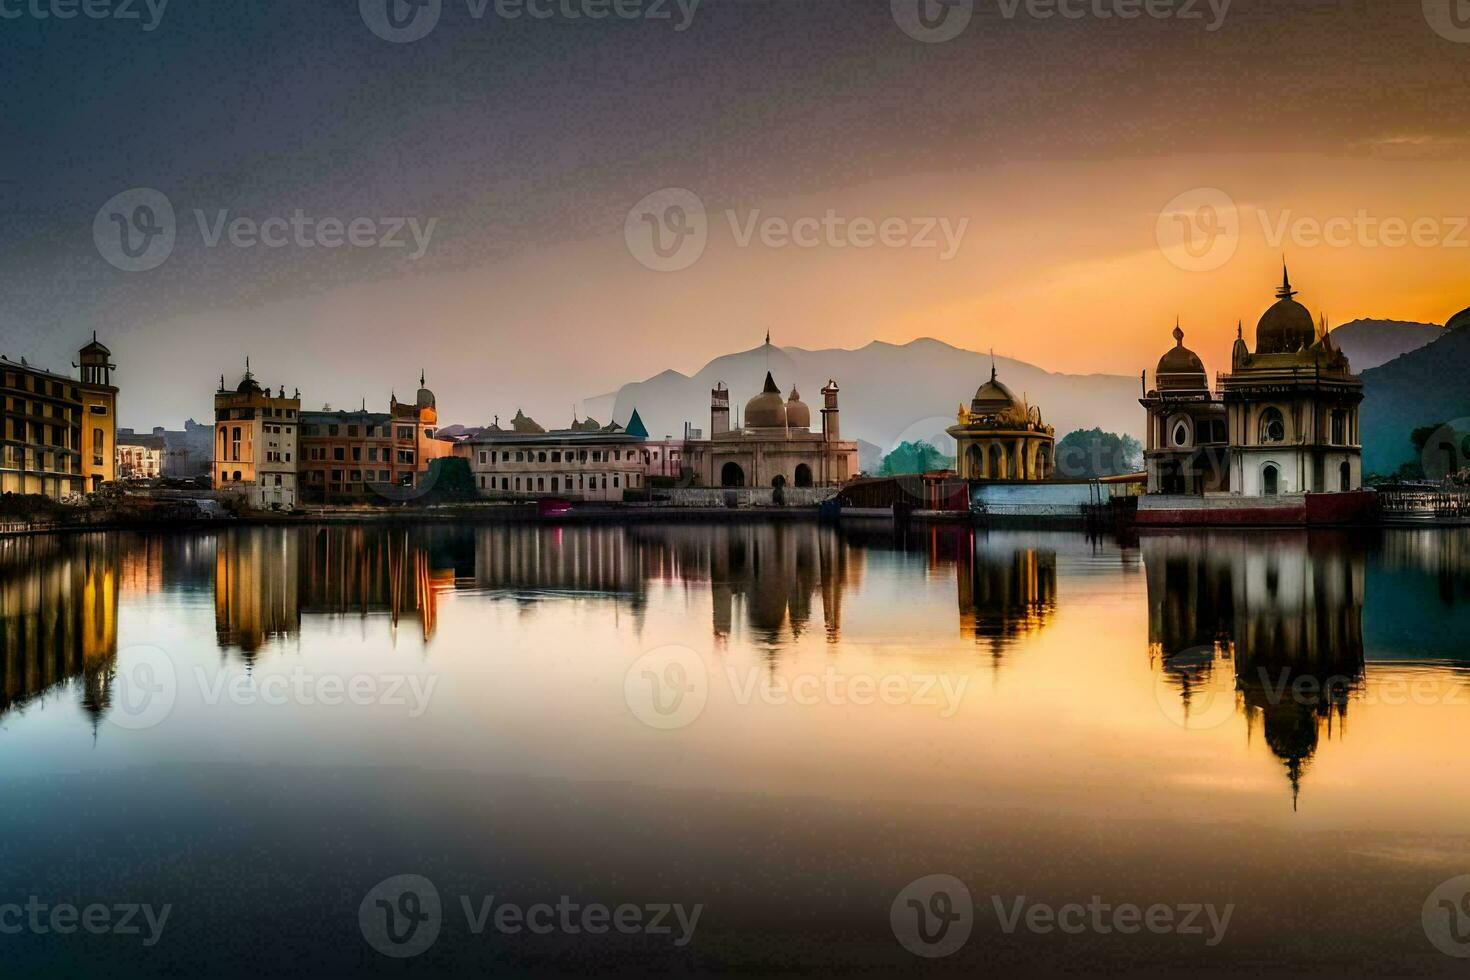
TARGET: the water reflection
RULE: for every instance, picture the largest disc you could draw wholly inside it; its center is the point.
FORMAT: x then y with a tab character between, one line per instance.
1281	614
58	619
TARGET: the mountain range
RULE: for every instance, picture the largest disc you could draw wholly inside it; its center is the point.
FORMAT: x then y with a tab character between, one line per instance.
1413	375
890	393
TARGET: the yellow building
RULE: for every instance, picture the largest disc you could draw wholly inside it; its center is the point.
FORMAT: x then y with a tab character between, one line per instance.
99	414
1001	437
255	443
57	434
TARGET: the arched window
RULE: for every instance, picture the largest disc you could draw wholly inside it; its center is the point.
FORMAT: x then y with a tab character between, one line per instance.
997	462
731	475
803	475
974	463
1270	480
1273	426
1181	433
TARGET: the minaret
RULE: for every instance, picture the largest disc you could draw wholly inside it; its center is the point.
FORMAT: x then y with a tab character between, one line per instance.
719	409
831	428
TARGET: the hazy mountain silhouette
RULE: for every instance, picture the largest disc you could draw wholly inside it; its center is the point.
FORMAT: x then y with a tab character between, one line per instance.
1423	387
889	392
1369	343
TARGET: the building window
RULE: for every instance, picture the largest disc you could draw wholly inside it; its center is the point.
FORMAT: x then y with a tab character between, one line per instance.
1273	426
1270	480
1339	428
1181	433
556	457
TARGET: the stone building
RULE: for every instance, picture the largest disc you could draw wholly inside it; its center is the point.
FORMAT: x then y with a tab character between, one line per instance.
776	446
255	443
1283	421
139	457
588	461
57	433
1002	437
1186	444
347	456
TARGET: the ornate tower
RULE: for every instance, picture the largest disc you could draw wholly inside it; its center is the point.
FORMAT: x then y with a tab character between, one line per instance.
99	414
719	410
831	428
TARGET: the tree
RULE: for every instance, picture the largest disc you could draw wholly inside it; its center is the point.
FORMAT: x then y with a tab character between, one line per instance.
1090	453
914	457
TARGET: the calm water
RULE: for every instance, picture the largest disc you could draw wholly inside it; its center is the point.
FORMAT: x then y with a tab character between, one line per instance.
784	726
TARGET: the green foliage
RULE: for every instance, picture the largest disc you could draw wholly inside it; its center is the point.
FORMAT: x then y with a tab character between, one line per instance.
1091	453
914	457
449	479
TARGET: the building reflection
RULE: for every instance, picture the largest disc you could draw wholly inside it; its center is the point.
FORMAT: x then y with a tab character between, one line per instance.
1282	614
1005	592
58	618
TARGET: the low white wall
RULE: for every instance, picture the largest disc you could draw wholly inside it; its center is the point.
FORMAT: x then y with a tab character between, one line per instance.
745	496
1161	501
1036	499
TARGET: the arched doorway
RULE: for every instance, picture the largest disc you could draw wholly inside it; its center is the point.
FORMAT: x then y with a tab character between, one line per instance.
974	463
1270	480
1345	476
803	475
731	475
997	462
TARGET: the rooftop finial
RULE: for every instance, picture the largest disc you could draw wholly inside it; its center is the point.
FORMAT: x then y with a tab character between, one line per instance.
421	377
992	364
1178	333
1239	329
1285	292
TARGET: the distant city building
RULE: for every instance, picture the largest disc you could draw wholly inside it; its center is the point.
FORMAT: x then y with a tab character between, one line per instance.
255	443
57	432
776	446
139	457
1002	437
1284	421
588	461
346	455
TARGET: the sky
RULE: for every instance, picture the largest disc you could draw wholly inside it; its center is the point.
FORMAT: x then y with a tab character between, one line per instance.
535	210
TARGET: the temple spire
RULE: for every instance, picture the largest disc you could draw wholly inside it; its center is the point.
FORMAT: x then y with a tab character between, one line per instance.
421	377
992	364
1285	292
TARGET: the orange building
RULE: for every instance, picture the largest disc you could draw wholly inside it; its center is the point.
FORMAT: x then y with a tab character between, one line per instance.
359	456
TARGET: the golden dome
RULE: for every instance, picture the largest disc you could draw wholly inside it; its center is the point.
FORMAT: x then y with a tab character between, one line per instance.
766	410
1287	326
798	415
1180	368
992	397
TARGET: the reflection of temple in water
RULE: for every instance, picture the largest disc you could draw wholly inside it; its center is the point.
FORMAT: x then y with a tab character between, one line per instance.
58	618
348	570
775	573
255	587
1005	591
1284	611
